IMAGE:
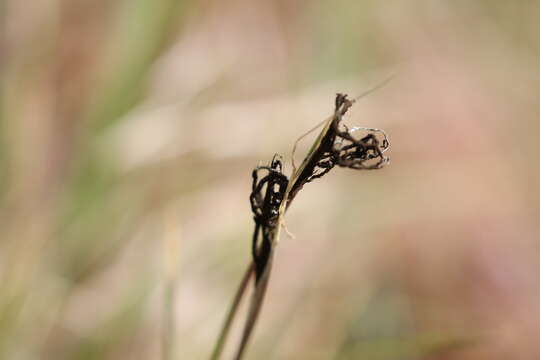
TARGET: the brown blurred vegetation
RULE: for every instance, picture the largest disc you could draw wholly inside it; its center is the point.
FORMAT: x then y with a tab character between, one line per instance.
128	131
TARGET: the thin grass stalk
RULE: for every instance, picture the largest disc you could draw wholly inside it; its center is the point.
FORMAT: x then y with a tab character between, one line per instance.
260	290
254	309
233	310
171	256
299	178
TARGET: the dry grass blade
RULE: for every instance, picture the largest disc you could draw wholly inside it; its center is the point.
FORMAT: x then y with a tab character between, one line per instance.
315	149
273	193
224	333
255	307
300	138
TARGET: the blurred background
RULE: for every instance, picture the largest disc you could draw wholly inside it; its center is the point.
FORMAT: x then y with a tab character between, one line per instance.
128	132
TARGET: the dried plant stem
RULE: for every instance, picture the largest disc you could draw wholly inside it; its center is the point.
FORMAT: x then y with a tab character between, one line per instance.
261	286
300	138
255	308
220	344
273	193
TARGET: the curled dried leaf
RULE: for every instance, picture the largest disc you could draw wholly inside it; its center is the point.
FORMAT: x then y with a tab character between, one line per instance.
266	197
338	146
272	192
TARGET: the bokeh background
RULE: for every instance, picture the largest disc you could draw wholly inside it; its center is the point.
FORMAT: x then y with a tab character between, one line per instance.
128	131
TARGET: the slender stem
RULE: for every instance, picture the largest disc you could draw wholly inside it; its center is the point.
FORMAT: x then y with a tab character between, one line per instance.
260	289
255	308
323	143
233	311
168	332
171	255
